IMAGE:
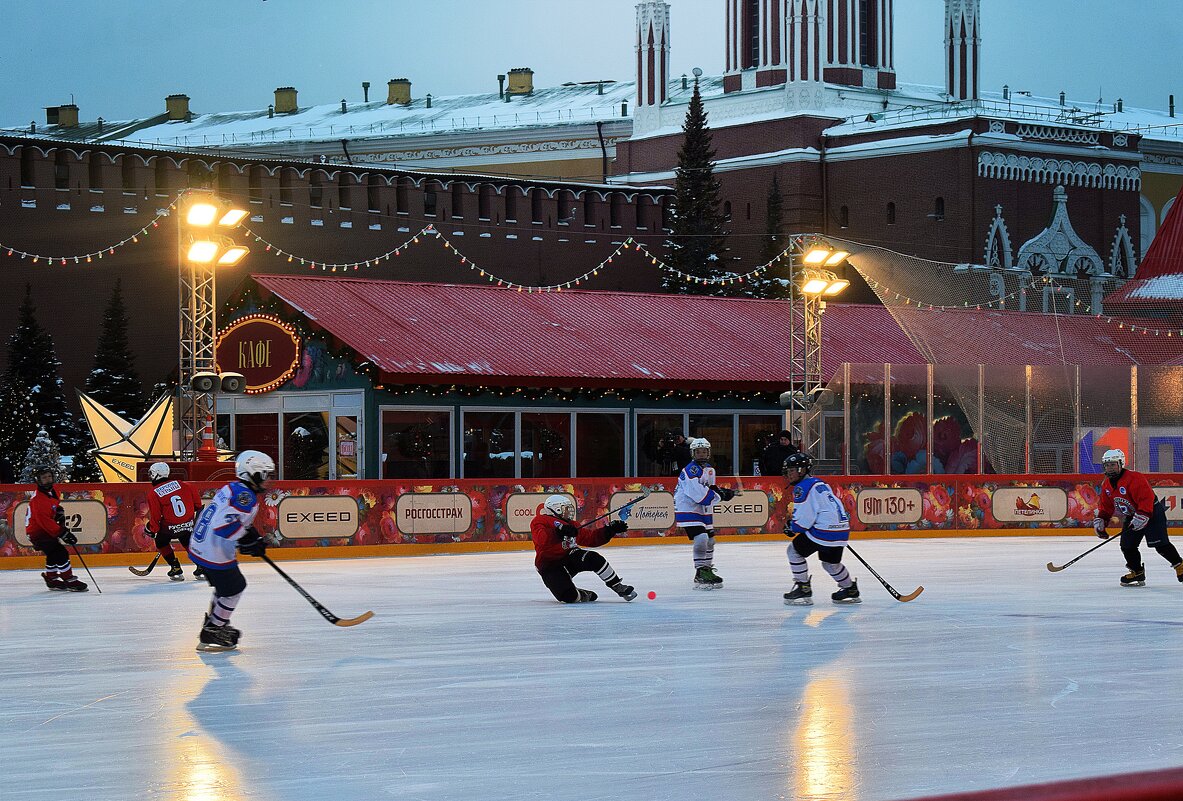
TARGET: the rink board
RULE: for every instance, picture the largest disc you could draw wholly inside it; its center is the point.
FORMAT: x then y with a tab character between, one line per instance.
383	518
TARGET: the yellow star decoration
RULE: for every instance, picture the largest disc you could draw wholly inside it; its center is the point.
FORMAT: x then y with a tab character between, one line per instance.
120	444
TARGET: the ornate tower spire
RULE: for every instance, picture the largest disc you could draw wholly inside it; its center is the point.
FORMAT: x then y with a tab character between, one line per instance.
963	46
653	53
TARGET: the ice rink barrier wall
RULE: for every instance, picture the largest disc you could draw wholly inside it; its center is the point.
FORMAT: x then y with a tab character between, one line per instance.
1159	785
388	517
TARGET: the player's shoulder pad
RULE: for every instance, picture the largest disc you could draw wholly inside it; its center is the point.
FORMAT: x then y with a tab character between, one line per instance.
241	496
802	488
692	470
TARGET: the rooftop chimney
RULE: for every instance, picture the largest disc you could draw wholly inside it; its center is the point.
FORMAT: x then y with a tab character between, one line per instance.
365	91
398	92
285	100
521	81
177	107
66	116
501	86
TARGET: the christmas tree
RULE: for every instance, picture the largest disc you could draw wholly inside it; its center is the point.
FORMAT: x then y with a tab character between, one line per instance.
43	453
18	421
33	361
772	282
114	381
697	243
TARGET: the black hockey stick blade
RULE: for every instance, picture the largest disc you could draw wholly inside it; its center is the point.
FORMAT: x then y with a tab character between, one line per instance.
894	593
147	569
325	613
1054	569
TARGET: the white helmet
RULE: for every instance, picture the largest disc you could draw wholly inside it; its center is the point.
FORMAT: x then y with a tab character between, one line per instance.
254	467
159	471
1114	455
560	506
698	444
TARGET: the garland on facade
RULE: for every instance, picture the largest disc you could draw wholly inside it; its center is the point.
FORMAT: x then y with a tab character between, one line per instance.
90	256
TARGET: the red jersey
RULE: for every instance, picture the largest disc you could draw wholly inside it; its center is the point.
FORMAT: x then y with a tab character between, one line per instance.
1130	493
550	545
41	521
172	503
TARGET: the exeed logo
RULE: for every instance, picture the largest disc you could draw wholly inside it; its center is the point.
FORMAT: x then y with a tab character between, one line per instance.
318	517
740	508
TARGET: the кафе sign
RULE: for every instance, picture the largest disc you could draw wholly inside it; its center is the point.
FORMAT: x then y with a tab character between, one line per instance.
264	349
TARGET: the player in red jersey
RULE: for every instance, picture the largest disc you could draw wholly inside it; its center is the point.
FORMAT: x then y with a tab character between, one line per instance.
172	507
1128	493
45	523
558	557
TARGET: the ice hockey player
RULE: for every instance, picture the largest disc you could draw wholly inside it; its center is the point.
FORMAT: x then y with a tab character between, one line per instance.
172	506
1128	494
224	523
45	525
694	503
558	556
819	525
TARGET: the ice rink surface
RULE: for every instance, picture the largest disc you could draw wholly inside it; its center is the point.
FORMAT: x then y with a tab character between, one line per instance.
471	684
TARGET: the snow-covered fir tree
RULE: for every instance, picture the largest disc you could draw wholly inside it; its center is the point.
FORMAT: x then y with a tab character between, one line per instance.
43	452
32	359
114	381
18	421
697	243
772	282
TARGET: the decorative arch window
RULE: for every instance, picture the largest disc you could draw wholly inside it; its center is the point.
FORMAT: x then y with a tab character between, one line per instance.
844	217
727	210
373	192
160	174
511	203
430	201
28	174
61	170
484	202
891	213
95	171
402	203
615	209
458	201
127	173
591	209
938	209
536	205
563	208
254	183
316	190
285	186
643	212
345	190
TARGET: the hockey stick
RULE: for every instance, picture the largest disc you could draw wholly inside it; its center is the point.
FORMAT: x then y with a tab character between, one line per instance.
894	593
147	569
645	494
1052	568
87	569
329	616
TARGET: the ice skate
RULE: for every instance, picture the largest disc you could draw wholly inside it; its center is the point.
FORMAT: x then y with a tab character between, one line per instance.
800	595
705	578
847	595
198	573
54	582
1178	571
585	596
1136	578
625	591
217	638
176	574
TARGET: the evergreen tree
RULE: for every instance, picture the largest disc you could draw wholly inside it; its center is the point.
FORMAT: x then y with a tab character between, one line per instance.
771	282
697	243
43	453
33	361
18	422
114	381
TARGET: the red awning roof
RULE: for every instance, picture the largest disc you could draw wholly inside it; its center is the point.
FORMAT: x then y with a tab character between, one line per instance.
1159	280
475	334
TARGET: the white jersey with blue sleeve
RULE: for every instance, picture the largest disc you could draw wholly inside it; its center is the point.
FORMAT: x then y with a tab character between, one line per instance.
221	524
694	500
818	514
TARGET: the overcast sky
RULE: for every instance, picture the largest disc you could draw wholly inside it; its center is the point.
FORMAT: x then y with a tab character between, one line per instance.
118	59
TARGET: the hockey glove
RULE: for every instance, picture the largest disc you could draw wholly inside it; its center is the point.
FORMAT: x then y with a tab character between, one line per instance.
1099	527
68	537
1139	521
568	530
724	493
616	527
252	544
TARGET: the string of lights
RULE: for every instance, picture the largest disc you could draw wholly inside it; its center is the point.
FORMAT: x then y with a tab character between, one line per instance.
106	250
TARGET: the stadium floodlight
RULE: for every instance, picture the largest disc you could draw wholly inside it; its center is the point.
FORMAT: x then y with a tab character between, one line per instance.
232	255
814	286
232	218
201	214
835	286
816	255
836	258
203	251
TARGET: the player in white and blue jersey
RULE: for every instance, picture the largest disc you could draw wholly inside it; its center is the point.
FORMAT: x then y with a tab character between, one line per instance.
223	528
694	503
819	525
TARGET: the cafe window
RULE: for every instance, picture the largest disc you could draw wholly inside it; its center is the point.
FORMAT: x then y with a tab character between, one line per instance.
599	444
416	443
656	453
305	446
257	432
546	445
490	449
